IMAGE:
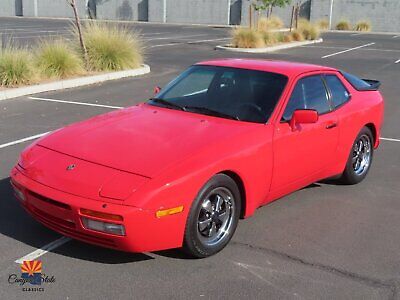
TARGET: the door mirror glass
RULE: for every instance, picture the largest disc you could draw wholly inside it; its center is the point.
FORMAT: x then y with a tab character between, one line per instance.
303	116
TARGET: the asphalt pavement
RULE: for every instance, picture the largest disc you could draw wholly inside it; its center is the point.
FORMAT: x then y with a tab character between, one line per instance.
324	241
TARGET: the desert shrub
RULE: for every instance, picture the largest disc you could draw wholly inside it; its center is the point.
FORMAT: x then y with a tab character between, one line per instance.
343	25
309	30
270	38
297	35
15	67
247	38
287	38
266	24
279	37
112	47
58	59
363	26
323	24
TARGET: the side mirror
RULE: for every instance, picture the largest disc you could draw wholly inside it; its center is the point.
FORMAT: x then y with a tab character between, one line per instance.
156	90
303	116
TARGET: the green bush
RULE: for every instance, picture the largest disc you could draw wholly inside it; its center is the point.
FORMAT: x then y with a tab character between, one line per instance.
247	38
363	26
15	67
58	59
343	25
112	47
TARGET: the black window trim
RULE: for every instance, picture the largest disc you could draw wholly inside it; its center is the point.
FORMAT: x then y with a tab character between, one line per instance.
327	91
330	92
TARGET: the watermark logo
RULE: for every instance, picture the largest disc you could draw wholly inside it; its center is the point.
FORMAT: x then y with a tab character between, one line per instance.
32	278
32	271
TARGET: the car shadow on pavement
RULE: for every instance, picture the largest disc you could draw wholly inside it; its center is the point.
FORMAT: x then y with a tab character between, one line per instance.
17	224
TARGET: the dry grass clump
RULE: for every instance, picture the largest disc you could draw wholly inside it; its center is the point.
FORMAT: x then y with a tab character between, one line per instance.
343	25
58	59
15	67
266	24
287	38
270	38
297	35
247	38
112	47
363	25
323	24
310	31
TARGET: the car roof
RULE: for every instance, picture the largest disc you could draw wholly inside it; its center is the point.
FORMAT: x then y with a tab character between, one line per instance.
276	66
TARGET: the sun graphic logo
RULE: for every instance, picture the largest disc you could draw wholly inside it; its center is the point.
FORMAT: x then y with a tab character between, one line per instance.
32	271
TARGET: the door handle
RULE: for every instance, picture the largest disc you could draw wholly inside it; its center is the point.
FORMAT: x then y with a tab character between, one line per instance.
331	125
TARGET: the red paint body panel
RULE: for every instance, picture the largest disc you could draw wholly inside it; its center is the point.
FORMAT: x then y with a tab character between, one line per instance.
136	161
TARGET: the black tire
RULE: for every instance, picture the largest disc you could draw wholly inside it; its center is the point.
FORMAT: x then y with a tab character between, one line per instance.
350	174
197	242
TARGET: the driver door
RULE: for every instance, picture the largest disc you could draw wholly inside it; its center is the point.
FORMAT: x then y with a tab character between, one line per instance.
301	154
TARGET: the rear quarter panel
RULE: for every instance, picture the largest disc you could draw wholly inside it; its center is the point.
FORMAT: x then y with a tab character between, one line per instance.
364	108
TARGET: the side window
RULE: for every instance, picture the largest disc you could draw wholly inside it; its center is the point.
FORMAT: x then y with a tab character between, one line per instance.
339	93
309	93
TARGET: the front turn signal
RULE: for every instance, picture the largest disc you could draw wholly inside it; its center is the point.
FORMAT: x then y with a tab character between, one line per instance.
170	211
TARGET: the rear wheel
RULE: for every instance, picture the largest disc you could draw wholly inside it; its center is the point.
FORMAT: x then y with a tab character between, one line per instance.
213	217
360	158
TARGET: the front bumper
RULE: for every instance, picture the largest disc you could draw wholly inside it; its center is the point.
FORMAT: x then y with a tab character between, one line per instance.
60	212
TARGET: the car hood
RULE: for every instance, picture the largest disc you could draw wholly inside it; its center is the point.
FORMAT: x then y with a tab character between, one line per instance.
143	139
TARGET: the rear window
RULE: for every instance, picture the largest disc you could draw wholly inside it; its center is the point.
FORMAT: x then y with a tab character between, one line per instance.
356	82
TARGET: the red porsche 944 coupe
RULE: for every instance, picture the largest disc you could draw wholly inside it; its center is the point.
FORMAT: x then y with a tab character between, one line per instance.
222	139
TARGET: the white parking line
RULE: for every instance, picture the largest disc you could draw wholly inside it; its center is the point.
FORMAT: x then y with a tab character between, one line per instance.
27	139
395	37
354	34
35	31
335	47
164	45
183	43
351	49
43	250
212	40
76	103
175	37
390	139
42	35
397	61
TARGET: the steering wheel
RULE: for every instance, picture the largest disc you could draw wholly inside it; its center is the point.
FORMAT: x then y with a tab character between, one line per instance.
254	107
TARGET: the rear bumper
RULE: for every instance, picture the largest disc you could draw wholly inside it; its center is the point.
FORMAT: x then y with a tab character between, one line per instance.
60	212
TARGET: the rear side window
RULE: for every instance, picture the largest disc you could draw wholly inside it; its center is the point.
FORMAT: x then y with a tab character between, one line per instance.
309	93
339	93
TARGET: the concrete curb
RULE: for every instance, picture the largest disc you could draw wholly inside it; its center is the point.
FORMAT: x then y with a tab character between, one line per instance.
71	83
269	49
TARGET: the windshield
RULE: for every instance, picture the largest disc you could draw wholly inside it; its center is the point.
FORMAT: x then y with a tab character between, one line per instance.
239	94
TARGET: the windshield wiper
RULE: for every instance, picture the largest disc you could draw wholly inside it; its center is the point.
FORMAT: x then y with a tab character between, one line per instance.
167	103
211	112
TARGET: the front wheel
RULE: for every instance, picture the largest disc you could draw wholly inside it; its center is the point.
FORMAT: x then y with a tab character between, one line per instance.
213	217
360	158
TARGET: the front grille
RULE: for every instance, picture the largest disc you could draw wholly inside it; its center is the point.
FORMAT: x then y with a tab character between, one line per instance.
67	228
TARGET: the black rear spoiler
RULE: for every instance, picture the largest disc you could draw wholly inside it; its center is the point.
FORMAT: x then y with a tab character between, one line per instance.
373	85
